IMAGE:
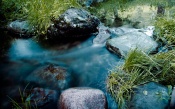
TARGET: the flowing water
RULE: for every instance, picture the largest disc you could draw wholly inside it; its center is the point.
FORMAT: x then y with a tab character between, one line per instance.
89	63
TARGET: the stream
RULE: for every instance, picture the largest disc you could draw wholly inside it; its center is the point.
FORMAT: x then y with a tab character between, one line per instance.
89	63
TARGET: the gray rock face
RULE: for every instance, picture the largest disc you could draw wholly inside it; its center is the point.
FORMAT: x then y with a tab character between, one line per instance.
51	76
39	96
123	44
73	23
20	29
88	3
150	96
82	98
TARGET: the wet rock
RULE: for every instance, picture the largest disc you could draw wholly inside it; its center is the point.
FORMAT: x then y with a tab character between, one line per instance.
74	23
82	98
134	40
51	76
150	96
172	102
88	3
20	29
40	97
103	34
124	30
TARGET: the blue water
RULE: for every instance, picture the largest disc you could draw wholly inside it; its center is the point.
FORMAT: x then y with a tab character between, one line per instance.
90	63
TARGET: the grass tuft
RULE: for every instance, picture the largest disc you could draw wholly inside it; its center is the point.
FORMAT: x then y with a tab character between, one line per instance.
38	12
165	28
140	68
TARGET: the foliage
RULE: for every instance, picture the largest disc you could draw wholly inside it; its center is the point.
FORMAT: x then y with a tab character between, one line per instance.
38	12
165	28
23	104
140	68
109	10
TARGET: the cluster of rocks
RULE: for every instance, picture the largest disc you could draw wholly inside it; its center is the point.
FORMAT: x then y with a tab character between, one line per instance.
74	23
79	23
121	40
147	96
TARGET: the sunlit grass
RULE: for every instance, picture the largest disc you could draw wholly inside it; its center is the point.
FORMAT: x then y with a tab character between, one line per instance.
140	68
165	30
38	12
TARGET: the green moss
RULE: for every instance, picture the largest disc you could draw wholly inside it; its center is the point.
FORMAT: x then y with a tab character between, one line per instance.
38	12
140	68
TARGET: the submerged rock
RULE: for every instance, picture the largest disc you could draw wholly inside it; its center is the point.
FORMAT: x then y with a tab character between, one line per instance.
20	29
40	97
51	76
134	40
150	96
82	98
74	23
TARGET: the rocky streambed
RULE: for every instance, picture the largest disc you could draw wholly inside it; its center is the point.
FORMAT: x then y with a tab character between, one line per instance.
73	77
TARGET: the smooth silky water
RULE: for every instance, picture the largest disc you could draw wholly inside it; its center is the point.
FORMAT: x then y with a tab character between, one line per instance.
90	65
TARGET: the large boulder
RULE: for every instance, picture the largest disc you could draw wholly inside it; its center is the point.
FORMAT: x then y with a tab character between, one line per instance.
73	23
51	76
135	40
20	29
82	98
150	96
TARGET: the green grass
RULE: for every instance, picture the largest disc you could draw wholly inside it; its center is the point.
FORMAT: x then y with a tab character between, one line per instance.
38	12
165	28
23	104
140	68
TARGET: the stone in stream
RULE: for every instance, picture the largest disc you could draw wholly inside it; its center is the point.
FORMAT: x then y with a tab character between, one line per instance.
172	102
40	97
150	96
134	40
82	98
20	29
103	34
74	23
51	76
